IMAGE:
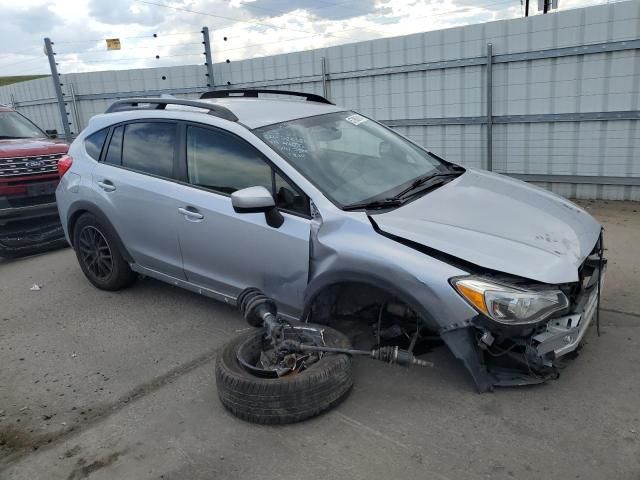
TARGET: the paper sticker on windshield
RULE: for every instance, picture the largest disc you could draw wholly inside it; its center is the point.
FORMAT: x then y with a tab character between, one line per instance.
356	119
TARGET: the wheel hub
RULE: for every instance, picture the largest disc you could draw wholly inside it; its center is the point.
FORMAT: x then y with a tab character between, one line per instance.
261	357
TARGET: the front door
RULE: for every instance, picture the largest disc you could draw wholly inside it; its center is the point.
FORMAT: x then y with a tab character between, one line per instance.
227	251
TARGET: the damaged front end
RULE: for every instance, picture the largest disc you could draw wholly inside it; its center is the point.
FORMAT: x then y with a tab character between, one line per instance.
503	351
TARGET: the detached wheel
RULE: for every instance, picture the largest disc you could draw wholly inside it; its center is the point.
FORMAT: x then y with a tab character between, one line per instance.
287	399
99	256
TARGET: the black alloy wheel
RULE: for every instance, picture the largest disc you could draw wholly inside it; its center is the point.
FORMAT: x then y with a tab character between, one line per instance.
100	254
95	252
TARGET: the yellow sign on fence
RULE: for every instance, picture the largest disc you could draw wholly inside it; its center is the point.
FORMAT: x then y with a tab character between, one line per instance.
113	44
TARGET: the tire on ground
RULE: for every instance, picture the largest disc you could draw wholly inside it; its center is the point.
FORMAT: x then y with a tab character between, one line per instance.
121	275
287	399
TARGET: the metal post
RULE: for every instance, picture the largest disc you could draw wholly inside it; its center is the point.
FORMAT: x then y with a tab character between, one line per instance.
74	103
325	92
208	57
526	8
64	116
489	106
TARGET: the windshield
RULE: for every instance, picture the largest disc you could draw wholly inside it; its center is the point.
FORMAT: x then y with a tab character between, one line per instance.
348	157
14	125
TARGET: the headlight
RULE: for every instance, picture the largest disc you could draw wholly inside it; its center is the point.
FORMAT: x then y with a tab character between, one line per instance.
509	305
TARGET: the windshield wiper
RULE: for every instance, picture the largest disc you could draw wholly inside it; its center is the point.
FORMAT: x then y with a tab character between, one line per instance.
420	181
384	203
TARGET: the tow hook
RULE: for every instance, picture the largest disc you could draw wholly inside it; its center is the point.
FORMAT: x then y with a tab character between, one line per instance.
261	311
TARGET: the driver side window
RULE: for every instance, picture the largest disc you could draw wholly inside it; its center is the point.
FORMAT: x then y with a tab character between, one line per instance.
221	162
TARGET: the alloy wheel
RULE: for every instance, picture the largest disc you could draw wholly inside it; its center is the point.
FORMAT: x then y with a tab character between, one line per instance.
95	252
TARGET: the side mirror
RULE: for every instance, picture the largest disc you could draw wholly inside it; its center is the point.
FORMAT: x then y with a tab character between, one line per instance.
51	133
257	200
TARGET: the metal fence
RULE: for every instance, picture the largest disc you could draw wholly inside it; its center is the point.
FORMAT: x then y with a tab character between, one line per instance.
551	99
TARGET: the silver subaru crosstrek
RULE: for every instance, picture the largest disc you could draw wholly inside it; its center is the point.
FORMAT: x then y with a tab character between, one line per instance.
333	215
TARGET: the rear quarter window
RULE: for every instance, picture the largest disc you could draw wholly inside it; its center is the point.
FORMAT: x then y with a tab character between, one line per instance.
114	151
94	143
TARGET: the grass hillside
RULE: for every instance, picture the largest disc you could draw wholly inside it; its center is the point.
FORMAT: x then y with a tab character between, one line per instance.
23	78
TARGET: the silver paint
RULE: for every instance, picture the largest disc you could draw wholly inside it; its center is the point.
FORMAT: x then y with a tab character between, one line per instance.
501	224
485	219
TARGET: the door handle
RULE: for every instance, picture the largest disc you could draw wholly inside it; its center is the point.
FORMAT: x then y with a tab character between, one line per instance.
191	213
106	185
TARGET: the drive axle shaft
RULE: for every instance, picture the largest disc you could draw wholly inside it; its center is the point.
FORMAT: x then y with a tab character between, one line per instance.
390	354
261	311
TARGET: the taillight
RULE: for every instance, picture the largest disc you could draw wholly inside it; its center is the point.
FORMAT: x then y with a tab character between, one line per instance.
64	164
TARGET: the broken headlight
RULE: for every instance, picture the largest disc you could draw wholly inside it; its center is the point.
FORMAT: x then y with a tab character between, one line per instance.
507	304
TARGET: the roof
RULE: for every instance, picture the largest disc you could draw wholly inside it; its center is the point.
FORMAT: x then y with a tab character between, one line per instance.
251	112
258	112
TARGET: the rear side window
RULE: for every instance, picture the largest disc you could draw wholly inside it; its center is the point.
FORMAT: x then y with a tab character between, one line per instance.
149	147
222	162
114	152
94	143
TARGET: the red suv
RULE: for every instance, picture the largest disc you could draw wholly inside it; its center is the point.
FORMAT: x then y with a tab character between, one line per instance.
29	219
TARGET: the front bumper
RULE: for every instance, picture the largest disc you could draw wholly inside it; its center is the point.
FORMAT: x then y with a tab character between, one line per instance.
498	356
31	235
563	335
31	211
539	356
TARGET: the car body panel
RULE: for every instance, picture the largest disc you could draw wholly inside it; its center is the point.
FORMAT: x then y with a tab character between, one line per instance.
144	211
346	248
269	111
228	251
24	147
251	113
501	224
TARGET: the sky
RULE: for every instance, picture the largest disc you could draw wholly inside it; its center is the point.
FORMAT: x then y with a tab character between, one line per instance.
170	29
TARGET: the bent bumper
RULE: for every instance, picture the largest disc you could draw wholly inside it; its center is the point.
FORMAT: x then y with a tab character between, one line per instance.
523	357
564	334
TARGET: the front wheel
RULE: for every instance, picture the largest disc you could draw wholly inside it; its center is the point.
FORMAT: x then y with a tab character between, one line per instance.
100	259
286	399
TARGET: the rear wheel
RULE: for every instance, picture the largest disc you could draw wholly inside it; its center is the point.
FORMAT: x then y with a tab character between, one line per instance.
100	259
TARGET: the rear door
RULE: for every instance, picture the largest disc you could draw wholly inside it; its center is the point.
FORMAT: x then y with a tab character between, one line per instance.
135	188
226	251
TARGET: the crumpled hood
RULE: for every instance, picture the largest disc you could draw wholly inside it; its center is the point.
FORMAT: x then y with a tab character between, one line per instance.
16	147
499	223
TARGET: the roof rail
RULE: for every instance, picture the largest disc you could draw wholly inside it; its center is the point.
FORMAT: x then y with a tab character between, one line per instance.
161	104
253	93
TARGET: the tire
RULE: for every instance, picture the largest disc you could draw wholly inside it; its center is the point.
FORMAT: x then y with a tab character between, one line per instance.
287	399
119	275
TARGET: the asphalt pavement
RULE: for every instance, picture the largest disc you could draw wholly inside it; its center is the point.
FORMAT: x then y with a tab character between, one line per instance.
121	385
